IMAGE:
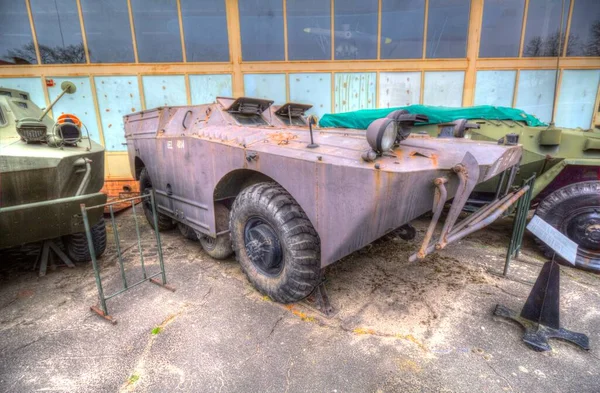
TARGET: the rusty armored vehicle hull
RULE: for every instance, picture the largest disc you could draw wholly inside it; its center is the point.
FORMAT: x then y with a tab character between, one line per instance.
47	169
251	178
566	162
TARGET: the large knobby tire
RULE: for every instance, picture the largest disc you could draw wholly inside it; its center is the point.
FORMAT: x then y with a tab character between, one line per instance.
275	243
77	244
164	222
219	247
575	211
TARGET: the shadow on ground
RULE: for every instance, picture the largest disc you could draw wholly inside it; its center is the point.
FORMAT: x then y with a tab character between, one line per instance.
400	327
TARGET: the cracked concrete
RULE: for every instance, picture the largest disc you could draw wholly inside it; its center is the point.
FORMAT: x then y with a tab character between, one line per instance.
399	327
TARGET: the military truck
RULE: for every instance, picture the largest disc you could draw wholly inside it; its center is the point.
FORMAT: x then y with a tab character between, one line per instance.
48	168
254	179
566	161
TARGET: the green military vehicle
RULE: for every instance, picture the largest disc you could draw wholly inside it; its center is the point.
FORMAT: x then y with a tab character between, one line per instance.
566	161
47	169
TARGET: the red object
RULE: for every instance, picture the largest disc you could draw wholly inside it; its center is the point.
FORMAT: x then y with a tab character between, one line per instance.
50	83
68	118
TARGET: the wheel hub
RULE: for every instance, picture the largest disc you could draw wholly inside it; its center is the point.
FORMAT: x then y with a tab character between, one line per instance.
584	228
263	246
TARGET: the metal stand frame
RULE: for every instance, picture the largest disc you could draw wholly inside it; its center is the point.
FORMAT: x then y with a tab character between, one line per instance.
46	255
519	224
319	300
540	316
103	310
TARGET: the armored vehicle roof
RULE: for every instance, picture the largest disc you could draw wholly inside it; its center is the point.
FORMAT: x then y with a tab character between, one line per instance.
259	125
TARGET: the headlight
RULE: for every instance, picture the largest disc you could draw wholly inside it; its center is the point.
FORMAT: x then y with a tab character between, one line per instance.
381	134
31	130
404	127
67	130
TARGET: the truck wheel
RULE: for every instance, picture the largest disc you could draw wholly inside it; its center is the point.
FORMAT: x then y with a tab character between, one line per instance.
186	231
275	243
575	211
219	247
164	222
77	244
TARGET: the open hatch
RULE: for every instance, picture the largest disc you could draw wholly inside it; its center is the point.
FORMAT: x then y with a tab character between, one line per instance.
292	114
248	111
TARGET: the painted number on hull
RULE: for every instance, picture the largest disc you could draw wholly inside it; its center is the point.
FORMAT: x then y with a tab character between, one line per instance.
180	144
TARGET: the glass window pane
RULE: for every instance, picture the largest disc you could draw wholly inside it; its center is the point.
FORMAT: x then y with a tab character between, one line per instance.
206	88
117	96
543	24
355	29
444	88
164	90
309	29
584	34
402	29
157	30
501	28
354	91
16	43
313	89
535	93
577	97
58	31
202	19
495	88
265	86
447	25
399	89
108	31
261	28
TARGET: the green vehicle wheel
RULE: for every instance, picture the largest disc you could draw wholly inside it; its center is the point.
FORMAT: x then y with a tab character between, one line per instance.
575	211
77	244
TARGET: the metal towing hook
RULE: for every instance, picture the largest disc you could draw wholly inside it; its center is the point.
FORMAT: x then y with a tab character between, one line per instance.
468	175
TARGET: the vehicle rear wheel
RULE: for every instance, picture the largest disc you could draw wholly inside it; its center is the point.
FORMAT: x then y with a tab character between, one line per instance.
575	211
219	247
187	232
275	243
164	222
77	244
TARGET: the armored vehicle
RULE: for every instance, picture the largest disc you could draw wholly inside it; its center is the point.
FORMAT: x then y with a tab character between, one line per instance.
566	161
255	179
48	168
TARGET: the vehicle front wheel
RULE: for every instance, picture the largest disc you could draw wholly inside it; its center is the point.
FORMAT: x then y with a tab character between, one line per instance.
164	222
275	243
575	211
77	244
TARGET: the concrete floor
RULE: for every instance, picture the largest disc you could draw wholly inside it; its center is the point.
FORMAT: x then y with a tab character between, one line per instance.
400	327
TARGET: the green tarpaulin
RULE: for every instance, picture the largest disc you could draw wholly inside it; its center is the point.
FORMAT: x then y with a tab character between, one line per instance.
437	114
